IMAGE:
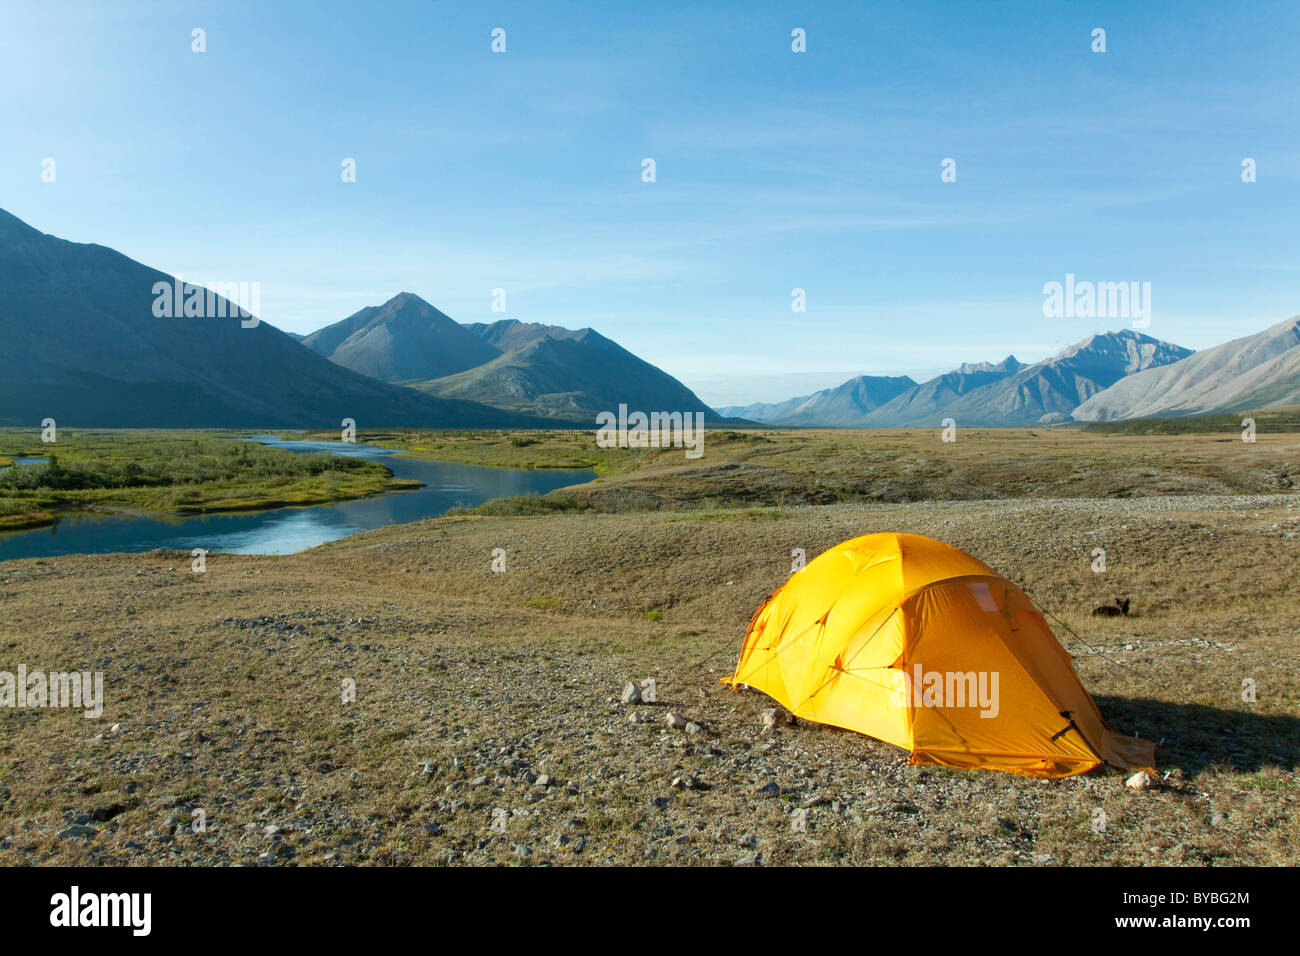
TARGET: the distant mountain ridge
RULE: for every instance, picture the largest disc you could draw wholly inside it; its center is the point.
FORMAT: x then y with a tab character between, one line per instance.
79	343
556	374
1255	371
405	339
927	402
565	374
977	393
840	407
1049	391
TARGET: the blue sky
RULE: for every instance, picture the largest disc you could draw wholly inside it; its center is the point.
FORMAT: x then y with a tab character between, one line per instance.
775	170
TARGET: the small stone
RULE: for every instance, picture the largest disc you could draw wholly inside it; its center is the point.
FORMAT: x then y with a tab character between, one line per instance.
768	789
1139	781
751	859
674	720
271	831
632	693
693	728
769	719
1218	819
433	829
77	831
543	781
522	851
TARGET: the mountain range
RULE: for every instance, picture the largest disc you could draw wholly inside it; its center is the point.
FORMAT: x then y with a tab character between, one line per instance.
403	340
1247	373
561	375
983	394
80	342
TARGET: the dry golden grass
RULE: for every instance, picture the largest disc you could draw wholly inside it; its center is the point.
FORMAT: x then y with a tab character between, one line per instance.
827	466
227	686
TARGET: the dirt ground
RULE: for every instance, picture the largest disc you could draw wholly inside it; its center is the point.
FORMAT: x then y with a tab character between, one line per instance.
487	726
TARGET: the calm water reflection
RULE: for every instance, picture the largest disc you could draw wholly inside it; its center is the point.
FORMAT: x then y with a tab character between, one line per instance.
286	530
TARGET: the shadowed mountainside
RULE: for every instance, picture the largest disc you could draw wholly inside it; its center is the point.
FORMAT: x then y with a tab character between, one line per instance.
79	342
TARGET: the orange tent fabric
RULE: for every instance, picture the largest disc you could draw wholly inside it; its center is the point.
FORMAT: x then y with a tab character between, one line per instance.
917	643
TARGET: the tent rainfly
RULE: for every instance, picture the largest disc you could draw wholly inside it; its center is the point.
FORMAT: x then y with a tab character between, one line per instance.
918	644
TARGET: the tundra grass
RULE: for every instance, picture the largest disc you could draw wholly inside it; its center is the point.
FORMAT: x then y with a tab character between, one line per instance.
170	472
779	468
525	450
222	694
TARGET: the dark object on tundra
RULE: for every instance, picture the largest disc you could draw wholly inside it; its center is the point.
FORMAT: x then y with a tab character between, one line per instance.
1118	609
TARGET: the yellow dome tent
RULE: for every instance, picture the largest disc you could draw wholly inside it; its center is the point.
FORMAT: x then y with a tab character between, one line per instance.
916	643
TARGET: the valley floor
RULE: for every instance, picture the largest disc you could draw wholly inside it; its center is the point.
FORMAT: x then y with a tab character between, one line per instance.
487	726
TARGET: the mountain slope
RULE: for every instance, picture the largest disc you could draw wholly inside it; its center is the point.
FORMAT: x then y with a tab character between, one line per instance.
1008	393
845	406
1255	371
509	334
764	412
404	339
565	375
925	404
79	343
1050	390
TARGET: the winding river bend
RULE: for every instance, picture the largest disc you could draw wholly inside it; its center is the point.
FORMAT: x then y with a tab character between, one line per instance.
286	530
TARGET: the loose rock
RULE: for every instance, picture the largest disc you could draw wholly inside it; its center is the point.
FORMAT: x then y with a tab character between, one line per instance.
1140	781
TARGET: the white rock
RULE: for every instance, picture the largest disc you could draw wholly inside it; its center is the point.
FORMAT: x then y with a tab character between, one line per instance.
632	693
675	720
1139	781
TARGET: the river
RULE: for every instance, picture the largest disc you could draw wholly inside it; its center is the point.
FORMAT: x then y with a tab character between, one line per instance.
286	530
